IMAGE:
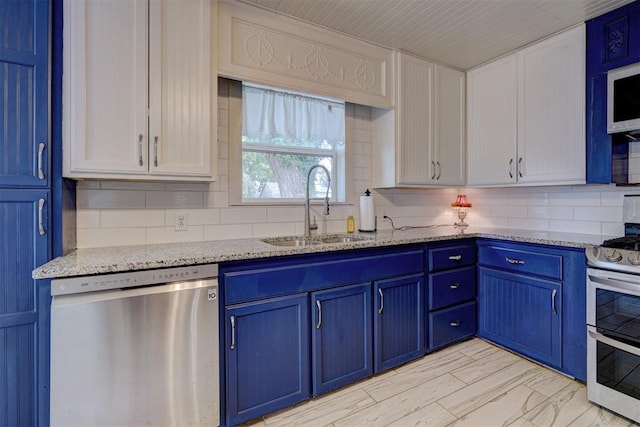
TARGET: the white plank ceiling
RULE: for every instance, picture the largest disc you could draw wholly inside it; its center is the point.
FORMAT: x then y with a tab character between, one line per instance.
458	33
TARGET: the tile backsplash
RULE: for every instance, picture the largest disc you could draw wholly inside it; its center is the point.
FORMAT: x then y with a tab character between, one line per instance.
112	213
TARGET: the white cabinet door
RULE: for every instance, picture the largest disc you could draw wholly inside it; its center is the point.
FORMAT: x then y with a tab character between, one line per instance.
449	147
551	110
105	87
138	90
181	136
491	145
414	114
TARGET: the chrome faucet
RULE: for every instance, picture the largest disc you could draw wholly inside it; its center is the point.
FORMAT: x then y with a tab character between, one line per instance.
307	219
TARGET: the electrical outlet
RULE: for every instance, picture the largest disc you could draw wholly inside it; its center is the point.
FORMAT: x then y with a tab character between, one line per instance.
180	222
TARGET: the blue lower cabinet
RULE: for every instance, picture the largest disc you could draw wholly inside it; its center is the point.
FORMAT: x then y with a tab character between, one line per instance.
24	245
267	355
341	336
398	321
522	313
452	324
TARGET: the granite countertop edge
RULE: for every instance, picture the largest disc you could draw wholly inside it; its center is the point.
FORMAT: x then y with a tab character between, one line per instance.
91	261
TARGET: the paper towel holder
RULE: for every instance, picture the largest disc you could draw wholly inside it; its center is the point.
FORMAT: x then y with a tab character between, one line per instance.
366	200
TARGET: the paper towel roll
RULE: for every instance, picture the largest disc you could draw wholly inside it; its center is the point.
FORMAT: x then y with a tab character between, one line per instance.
367	214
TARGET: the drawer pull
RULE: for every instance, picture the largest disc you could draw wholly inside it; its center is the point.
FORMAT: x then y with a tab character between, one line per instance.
319	314
41	148
455	324
553	301
454	286
41	230
381	301
233	332
140	161
514	261
455	257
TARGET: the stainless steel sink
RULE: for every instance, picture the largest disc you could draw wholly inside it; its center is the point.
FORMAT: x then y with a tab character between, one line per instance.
329	239
341	238
292	241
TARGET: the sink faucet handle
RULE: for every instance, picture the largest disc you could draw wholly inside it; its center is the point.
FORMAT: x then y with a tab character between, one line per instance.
313	226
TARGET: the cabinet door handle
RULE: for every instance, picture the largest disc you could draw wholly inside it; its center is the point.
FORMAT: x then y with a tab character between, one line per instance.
41	148
155	151
41	229
233	332
455	257
553	301
455	323
454	286
140	161
520	167
510	168
381	301
514	261
433	170
439	171
319	314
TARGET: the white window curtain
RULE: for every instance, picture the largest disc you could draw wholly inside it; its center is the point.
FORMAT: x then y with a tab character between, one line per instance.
297	118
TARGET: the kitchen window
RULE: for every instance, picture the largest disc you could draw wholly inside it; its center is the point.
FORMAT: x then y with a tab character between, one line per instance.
284	133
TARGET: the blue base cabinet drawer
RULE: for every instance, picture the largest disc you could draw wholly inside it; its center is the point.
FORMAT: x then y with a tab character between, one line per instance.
452	324
452	256
520	260
451	287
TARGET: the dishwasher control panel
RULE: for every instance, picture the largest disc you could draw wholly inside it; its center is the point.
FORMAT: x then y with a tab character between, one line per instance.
129	279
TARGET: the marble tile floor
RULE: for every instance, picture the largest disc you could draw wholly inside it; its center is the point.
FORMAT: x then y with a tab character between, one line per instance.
473	383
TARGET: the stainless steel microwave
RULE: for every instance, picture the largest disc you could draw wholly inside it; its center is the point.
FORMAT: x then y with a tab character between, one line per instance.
623	99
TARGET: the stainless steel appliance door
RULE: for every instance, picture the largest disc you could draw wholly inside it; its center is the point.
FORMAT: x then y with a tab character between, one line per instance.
613	374
146	356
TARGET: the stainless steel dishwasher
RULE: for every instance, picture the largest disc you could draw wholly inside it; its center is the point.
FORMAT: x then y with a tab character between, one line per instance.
136	348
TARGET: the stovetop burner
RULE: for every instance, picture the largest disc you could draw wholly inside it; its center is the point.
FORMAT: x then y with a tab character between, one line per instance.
631	243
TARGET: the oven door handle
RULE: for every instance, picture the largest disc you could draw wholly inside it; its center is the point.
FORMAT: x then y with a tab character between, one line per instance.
617	284
614	343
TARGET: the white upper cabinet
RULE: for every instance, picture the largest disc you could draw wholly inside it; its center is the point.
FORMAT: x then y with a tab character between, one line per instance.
551	110
414	115
140	90
526	115
449	146
422	141
491	142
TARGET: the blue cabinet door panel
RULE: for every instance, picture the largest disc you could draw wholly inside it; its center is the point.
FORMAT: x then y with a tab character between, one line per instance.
23	247
267	353
341	337
24	93
17	375
452	324
398	321
451	287
521	313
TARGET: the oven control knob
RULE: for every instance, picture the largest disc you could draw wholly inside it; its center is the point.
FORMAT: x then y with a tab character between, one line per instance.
613	255
634	258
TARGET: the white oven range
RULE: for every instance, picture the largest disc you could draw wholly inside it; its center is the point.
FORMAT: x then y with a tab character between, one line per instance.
613	341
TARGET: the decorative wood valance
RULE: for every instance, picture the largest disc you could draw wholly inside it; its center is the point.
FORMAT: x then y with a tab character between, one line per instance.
264	47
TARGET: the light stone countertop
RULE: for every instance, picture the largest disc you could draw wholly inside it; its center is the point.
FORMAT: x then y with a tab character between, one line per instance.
83	262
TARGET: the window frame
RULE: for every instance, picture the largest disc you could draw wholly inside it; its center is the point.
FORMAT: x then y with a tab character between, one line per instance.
339	196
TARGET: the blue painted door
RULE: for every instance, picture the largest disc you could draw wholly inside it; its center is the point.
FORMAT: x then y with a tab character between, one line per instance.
341	337
23	246
24	92
398	321
267	355
521	313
